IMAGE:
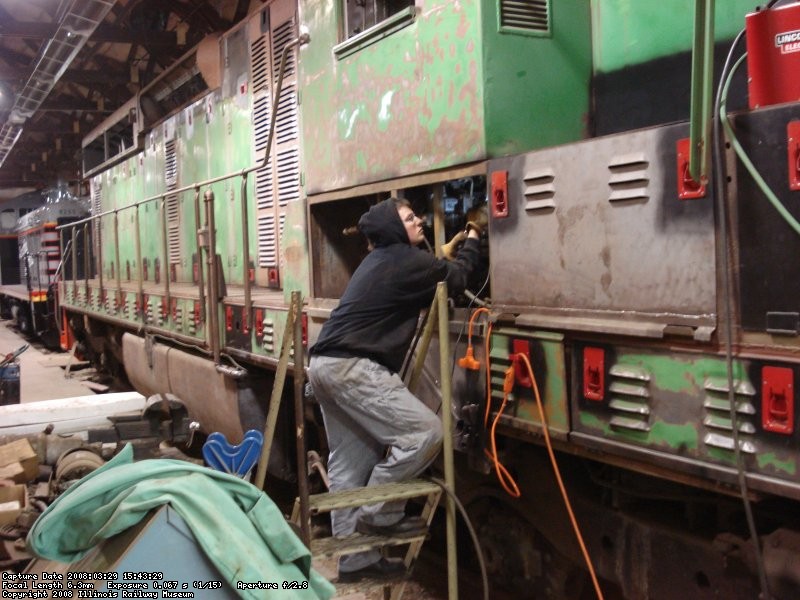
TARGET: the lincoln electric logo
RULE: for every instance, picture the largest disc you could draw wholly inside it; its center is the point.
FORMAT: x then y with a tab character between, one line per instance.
788	41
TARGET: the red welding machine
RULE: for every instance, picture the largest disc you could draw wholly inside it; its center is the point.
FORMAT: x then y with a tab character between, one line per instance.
773	55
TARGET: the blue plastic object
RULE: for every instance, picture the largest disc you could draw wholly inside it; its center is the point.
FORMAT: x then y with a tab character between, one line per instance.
221	455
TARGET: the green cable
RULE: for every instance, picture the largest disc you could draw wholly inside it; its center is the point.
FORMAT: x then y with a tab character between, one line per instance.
787	216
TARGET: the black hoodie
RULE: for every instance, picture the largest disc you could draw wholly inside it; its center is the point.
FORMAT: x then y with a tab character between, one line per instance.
377	315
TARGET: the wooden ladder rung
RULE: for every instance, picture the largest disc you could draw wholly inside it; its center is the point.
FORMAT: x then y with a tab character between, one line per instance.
321	503
331	546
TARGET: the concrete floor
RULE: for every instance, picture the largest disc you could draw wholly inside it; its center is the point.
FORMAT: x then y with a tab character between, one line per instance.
42	372
43	377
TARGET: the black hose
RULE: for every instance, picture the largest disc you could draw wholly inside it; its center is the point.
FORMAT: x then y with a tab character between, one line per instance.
721	203
472	534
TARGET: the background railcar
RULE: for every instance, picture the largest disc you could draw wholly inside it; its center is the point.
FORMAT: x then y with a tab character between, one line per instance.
31	255
655	305
9	245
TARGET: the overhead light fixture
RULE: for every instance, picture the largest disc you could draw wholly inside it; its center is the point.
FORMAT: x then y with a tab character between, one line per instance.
6	96
16	118
77	23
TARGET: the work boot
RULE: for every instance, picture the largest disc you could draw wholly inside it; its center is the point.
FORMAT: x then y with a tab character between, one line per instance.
383	570
405	526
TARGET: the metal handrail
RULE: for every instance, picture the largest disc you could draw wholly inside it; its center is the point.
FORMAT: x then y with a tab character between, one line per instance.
206	236
302	39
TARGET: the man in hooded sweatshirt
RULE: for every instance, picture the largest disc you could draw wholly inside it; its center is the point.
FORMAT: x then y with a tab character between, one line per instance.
378	431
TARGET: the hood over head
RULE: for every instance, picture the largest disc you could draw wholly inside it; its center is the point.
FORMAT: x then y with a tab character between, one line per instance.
382	225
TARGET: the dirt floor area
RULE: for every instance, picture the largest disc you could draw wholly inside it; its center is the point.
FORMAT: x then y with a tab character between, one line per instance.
428	581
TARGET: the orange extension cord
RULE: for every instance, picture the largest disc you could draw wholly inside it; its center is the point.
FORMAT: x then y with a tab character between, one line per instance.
503	476
468	362
557	472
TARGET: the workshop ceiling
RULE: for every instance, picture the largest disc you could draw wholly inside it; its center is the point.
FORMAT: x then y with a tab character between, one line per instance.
126	44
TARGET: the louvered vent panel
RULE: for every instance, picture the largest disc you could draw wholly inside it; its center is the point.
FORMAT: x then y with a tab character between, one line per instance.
97	198
540	190
264	188
531	15
97	208
172	207
170	163
281	36
717	420
171	203
288	176
286	119
174	243
629	397
267	241
261	114
628	178
260	65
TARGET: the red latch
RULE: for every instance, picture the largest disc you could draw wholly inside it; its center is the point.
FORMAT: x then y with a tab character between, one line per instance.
304	329
197	313
777	399
273	278
500	194
688	188
164	308
145	268
174	309
229	318
259	322
793	153
245	321
521	375
594	374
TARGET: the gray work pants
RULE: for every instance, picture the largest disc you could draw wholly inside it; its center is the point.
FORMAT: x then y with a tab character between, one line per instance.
366	410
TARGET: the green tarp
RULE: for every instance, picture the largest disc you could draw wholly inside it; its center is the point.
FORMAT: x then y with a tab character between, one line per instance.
238	527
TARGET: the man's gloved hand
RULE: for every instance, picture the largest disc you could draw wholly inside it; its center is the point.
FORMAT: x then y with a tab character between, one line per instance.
478	219
449	249
473	226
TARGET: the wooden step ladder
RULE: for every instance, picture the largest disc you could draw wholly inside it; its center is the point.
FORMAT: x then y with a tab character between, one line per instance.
307	505
330	547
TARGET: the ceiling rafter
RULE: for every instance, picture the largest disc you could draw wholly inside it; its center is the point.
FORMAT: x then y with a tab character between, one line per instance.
134	43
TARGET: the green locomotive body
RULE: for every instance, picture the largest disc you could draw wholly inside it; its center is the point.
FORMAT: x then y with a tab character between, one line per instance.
660	318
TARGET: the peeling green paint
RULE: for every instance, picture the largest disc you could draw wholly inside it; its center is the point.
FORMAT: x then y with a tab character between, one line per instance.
552	386
721	455
770	459
677	374
590	421
676	437
385	113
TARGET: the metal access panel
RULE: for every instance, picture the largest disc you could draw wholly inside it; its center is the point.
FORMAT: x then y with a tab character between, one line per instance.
767	245
596	239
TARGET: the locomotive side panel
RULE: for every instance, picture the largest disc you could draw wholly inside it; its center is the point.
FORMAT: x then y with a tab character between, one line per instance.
606	244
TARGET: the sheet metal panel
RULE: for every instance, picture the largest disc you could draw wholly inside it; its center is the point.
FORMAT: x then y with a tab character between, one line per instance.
596	235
